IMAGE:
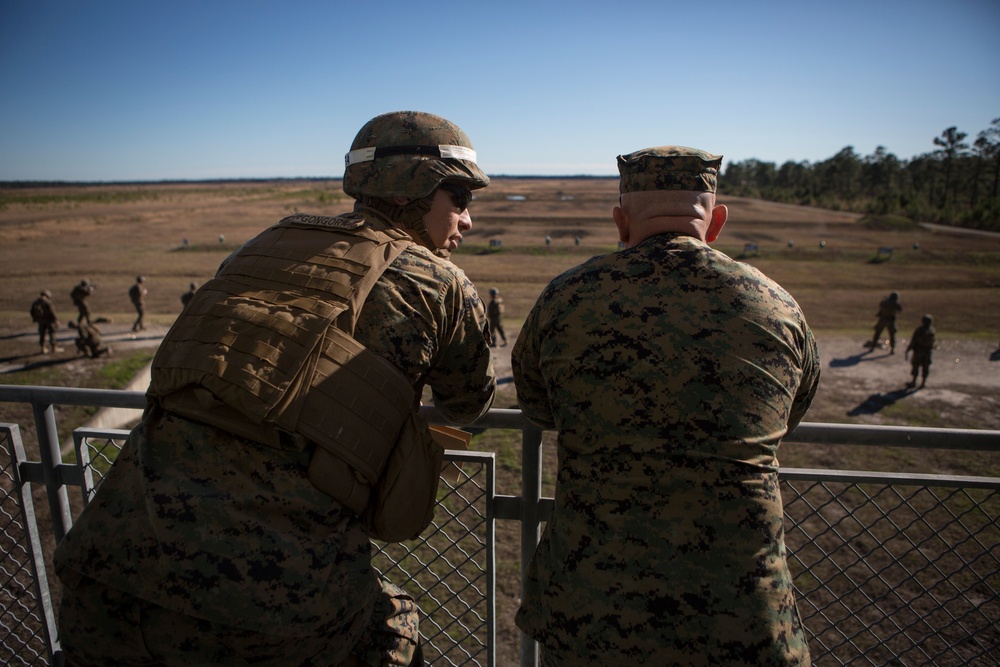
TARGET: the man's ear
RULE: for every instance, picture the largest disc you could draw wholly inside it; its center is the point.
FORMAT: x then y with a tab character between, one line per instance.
719	216
621	222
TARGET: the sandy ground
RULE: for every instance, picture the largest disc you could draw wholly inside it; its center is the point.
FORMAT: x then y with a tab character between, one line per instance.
857	386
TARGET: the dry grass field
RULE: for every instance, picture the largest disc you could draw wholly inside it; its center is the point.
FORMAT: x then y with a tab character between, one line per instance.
175	234
52	237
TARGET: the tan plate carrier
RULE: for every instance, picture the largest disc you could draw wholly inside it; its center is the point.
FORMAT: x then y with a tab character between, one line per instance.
264	351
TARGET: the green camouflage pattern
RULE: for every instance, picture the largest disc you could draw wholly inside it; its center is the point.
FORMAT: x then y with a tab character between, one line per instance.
885	318
494	314
44	315
669	168
156	635
215	527
411	176
671	373
79	296
921	348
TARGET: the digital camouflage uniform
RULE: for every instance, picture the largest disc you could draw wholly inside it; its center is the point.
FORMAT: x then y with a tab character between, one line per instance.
89	341
79	296
225	537
671	373
888	309
494	314
921	347
44	315
137	295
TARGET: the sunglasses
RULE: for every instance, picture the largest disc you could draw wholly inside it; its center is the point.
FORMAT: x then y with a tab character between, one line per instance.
461	196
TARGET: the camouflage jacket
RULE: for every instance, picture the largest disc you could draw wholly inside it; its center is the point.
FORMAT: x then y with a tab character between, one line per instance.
922	341
671	373
200	521
888	308
80	293
495	309
137	294
42	312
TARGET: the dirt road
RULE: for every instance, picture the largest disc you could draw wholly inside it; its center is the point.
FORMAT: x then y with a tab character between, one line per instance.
869	386
858	385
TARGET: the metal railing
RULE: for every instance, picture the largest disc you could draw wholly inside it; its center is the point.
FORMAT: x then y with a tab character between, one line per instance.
889	568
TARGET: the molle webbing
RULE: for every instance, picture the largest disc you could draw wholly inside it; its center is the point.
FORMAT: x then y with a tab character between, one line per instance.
264	350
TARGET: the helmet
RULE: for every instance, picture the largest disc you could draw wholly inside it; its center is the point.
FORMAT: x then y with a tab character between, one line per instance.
47	293
494	291
140	279
409	154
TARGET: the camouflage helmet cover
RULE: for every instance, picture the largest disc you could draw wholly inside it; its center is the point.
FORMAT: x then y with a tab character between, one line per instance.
409	154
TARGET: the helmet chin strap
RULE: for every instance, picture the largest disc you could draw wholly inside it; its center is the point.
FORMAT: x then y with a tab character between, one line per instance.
409	216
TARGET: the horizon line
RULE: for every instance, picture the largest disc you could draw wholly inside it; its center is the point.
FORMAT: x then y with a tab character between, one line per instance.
256	179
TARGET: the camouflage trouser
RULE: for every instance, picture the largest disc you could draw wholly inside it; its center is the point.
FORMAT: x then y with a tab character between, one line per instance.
890	325
100	626
920	362
47	330
140	310
83	311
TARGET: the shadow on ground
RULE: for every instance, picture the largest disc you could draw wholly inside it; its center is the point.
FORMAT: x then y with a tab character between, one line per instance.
877	402
33	365
855	359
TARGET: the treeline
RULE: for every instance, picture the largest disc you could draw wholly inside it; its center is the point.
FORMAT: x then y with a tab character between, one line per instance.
956	184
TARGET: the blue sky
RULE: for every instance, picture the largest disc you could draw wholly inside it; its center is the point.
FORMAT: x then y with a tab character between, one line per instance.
105	90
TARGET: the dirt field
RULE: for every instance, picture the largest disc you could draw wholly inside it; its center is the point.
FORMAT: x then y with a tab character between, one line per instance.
525	232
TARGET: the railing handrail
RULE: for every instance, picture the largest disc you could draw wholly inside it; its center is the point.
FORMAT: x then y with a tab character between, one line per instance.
805	433
531	509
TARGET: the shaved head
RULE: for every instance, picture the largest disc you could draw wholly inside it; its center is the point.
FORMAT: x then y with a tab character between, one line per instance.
668	203
650	212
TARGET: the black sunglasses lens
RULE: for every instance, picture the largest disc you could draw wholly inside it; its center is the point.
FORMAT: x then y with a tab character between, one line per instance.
460	196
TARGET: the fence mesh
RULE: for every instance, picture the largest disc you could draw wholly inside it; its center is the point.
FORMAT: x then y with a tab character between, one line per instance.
23	629
889	571
903	574
449	571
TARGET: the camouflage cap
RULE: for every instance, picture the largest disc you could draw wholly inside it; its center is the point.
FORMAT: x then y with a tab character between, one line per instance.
669	168
47	293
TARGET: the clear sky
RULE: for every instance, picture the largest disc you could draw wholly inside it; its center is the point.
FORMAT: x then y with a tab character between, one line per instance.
107	90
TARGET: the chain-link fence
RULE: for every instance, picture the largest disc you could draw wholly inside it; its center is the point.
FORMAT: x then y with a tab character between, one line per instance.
891	569
896	572
27	625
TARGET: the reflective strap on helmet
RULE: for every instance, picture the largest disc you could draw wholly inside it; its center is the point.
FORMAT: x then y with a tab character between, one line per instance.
441	151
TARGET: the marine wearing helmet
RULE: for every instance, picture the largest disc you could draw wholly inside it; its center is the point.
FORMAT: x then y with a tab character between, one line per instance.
397	163
283	416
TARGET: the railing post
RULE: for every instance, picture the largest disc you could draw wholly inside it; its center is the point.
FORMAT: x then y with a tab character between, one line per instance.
531	494
49	452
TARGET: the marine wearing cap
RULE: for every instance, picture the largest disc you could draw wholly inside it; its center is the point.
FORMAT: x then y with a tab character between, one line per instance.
669	168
